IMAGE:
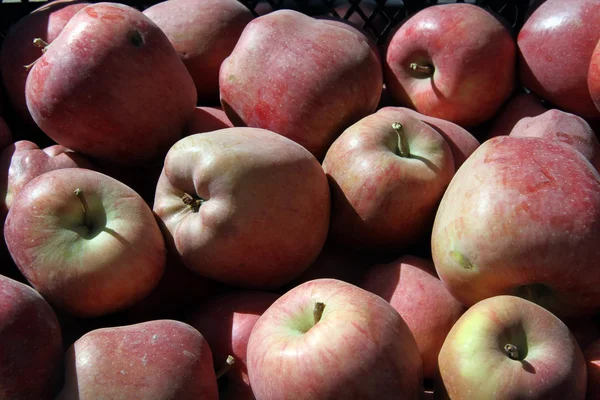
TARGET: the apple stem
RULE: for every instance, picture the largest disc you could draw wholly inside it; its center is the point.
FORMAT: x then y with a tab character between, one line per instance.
192	202
84	206
426	69
41	43
318	311
512	351
403	146
228	364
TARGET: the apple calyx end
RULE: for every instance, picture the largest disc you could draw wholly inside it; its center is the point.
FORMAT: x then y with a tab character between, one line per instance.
318	311
226	367
403	146
512	351
425	69
193	203
42	44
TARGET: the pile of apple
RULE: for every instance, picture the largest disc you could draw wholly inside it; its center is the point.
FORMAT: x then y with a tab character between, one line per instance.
276	207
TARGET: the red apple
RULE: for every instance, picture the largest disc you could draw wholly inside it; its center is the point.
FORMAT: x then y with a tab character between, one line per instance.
411	285
591	354
32	350
24	160
556	44
462	143
304	78
451	61
594	77
111	86
158	360
203	33
565	127
387	174
328	339
506	347
206	119
18	49
226	321
87	242
522	216
520	106
243	206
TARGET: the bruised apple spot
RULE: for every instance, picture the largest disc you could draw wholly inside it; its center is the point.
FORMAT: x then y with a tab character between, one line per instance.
463	261
135	38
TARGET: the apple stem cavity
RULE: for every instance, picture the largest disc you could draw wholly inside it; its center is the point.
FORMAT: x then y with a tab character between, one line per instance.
318	311
194	203
512	351
426	69
228	364
403	147
41	43
84	206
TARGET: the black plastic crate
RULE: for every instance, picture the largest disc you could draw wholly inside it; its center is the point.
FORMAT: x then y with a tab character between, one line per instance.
378	17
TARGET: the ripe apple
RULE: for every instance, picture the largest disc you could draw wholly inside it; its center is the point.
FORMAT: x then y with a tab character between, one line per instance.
243	206
462	143
203	33
24	160
559	72
111	86
304	78
451	61
520	106
19	52
32	350
506	347
328	339
565	127
594	77
411	285
158	360
206	119
591	354
225	321
87	242
522	216
387	174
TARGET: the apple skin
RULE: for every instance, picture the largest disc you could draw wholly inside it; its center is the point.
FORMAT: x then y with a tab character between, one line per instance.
327	76
518	107
203	33
522	217
45	22
24	160
359	349
139	99
226	321
87	266
474	57
207	119
559	73
32	349
411	285
591	354
253	185
154	360
568	128
382	200
594	77
473	362
462	143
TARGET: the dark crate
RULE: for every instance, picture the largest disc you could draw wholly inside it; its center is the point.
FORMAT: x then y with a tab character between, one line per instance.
378	17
